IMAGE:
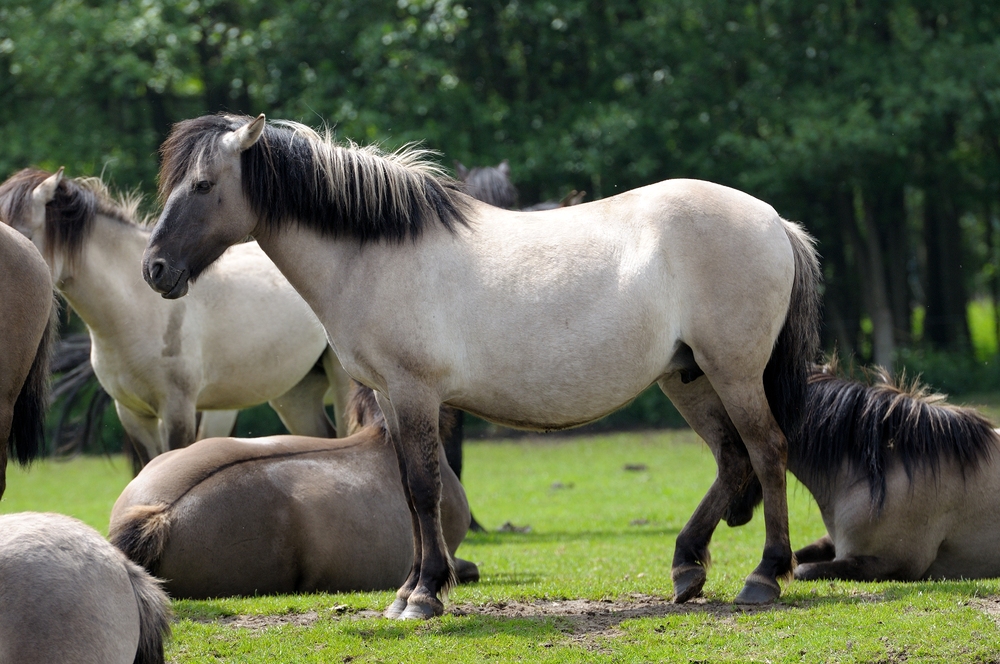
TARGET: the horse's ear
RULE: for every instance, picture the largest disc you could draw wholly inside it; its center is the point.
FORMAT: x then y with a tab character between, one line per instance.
46	191
244	137
461	170
504	168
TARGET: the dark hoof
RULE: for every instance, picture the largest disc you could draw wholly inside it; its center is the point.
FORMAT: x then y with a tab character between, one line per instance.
688	582
422	608
395	609
466	571
759	590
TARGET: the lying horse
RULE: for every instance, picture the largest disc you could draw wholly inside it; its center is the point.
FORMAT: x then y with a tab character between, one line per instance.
247	338
67	595
26	334
908	486
283	514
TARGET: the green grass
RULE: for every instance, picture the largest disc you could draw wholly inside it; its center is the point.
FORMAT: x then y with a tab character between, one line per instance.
581	504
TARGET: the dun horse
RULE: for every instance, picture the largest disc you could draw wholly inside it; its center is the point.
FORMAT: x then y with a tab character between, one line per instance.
537	320
284	514
26	334
67	595
247	337
909	487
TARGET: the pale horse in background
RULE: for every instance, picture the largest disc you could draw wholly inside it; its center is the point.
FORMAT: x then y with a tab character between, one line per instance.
246	336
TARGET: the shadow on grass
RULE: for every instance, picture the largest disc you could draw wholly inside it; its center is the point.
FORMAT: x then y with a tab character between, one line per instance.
498	538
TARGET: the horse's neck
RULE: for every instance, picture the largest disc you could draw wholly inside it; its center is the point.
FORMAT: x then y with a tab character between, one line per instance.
316	267
105	285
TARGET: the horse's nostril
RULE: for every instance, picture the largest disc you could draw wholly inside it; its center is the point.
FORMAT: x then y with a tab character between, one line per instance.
156	270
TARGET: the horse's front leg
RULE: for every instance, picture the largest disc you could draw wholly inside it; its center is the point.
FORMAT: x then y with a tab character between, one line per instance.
412	418
821	551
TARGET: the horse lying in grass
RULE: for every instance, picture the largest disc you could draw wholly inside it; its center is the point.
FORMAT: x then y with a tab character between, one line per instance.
283	514
27	331
542	320
908	486
67	595
247	337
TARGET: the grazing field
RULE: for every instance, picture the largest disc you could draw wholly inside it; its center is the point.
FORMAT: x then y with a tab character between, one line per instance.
580	573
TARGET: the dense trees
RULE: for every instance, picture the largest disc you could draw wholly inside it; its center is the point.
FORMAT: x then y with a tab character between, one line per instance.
876	124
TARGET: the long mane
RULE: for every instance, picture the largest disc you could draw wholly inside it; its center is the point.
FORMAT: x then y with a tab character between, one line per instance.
294	173
69	216
877	424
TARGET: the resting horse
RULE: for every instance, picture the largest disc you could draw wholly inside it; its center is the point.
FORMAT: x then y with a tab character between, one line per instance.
283	514
67	595
245	339
909	487
26	333
541	320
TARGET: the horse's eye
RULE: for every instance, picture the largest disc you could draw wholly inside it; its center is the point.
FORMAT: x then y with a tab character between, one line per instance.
203	187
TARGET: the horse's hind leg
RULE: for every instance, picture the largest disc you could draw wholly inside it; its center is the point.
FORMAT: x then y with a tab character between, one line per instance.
301	408
854	568
820	551
749	411
704	411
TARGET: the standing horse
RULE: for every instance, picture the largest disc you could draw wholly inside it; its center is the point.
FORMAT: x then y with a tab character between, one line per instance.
246	338
537	320
67	595
908	486
26	332
282	514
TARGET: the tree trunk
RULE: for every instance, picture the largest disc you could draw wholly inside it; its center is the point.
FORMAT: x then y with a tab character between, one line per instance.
946	326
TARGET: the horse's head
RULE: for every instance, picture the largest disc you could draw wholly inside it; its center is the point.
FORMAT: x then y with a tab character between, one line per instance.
205	210
24	205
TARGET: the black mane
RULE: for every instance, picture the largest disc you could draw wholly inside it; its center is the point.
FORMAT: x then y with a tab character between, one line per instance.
69	216
873	426
292	173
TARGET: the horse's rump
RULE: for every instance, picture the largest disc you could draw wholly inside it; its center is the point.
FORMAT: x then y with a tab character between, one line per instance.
141	533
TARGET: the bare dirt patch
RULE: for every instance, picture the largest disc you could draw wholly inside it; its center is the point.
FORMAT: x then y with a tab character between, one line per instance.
602	617
988	605
578	618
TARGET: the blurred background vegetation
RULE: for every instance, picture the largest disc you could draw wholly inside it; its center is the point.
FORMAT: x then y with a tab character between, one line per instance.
875	124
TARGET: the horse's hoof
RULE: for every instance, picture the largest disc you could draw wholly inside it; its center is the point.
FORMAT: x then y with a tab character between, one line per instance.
466	571
395	609
422	609
688	582
759	590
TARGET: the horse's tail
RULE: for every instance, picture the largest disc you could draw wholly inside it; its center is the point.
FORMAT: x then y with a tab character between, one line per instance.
141	534
786	377
154	615
27	432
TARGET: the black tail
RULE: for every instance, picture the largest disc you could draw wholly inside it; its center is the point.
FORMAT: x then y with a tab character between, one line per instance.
27	433
154	615
786	377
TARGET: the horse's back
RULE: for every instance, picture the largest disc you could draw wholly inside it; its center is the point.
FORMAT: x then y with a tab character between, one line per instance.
65	594
606	291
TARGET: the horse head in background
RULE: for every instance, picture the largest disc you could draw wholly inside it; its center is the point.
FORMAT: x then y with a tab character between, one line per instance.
245	338
492	185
